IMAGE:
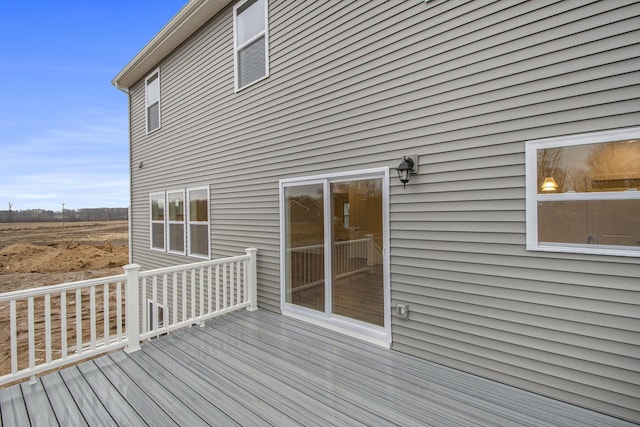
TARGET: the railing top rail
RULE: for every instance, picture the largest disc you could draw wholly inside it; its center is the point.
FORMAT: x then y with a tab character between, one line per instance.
194	265
305	248
321	245
43	290
346	242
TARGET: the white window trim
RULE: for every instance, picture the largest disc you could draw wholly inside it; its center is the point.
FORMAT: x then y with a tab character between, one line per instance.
166	222
163	222
169	222
162	314
189	222
532	196
147	105
370	333
237	48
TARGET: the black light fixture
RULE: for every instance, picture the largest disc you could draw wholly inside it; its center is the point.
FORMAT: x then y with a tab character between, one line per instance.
405	170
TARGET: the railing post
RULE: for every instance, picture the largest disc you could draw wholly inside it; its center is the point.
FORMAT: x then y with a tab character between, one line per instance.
132	320
370	251
252	274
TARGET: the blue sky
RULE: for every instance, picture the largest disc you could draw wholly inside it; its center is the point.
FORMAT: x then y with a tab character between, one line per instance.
63	126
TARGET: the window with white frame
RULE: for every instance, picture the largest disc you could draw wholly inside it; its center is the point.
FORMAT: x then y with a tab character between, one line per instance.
198	221
175	217
152	101
157	202
583	193
251	46
180	221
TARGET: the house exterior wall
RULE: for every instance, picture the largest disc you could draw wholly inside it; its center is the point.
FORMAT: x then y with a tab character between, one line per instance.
356	85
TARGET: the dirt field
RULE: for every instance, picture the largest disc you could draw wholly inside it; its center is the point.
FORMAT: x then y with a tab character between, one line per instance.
37	254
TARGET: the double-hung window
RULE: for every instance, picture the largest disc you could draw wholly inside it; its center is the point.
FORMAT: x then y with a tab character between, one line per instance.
198	221
175	207
251	46
152	101
157	202
180	221
583	193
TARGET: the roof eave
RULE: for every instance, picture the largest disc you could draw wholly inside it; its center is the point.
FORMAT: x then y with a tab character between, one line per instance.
186	22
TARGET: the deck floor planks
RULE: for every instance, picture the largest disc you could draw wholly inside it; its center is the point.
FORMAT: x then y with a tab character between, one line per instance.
89	404
136	395
13	410
522	407
237	385
378	362
260	368
181	385
276	389
361	370
115	401
37	403
163	396
384	405
190	373
62	402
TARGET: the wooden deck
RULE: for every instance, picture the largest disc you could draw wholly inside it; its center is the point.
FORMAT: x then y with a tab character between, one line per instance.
260	368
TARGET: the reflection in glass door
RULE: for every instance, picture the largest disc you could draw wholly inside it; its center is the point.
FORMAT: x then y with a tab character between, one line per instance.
304	245
333	238
357	284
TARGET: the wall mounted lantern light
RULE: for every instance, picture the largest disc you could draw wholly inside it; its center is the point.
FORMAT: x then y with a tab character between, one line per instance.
549	185
407	169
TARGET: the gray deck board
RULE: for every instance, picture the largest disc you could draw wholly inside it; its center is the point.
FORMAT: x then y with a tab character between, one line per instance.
14	411
341	384
259	368
38	406
379	388
447	394
88	403
62	402
136	395
233	384
186	394
115	401
273	389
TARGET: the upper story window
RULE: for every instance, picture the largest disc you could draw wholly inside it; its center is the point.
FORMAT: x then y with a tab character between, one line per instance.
152	101
583	193
251	48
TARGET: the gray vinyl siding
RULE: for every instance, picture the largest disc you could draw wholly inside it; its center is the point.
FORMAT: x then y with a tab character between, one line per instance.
355	85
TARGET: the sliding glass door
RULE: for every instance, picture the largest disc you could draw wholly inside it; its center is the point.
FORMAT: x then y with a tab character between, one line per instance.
333	239
356	250
304	237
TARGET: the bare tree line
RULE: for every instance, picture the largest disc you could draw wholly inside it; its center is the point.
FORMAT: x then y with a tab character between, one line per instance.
70	215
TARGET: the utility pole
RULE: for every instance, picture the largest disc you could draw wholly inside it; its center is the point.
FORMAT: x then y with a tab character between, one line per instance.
63	215
10	206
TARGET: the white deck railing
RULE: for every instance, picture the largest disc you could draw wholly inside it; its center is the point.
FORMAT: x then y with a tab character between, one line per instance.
349	257
71	322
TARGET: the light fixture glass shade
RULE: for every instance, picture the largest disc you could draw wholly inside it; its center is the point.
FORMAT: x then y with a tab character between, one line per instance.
549	185
405	170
